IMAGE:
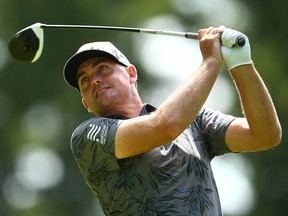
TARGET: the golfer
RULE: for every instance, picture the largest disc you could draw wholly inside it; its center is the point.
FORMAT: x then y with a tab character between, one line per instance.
142	160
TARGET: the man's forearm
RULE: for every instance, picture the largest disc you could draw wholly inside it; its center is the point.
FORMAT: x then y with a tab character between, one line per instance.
184	104
257	104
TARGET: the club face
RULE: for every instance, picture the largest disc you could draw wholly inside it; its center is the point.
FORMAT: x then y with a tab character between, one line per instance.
27	44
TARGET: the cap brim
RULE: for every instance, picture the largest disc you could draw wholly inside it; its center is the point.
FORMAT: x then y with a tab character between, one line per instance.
71	66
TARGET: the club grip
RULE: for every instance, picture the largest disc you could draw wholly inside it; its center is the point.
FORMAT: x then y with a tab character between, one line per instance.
191	35
240	41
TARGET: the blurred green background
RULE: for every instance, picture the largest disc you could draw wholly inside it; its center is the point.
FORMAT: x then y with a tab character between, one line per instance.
38	111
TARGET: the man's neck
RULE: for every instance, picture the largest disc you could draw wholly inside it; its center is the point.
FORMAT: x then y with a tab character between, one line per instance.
130	110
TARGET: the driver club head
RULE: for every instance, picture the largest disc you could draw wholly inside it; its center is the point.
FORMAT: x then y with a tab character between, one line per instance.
27	44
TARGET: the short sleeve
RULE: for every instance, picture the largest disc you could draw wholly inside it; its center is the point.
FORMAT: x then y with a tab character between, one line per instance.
213	126
92	144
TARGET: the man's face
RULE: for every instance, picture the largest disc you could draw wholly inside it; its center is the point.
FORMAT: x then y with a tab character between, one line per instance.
104	85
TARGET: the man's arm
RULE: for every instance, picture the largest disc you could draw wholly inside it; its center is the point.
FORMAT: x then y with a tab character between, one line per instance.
141	134
260	129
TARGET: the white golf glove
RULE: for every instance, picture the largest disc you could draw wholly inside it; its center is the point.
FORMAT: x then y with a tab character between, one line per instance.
234	55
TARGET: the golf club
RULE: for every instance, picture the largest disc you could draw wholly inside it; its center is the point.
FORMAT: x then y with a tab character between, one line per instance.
27	44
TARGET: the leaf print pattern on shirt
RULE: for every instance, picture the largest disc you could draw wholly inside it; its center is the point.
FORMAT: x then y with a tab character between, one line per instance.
129	178
98	172
164	174
154	206
197	199
198	166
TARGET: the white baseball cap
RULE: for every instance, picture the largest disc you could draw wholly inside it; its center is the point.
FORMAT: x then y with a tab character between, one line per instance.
90	50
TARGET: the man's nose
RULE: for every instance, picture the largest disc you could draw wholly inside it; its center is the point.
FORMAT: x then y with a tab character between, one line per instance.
95	80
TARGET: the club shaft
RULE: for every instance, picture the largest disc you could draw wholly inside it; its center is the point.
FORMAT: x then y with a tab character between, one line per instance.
189	35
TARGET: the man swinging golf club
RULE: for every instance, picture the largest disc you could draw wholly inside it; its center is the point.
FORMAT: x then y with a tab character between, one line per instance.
139	160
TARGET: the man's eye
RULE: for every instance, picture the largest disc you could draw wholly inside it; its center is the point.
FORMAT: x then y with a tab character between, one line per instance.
101	67
84	80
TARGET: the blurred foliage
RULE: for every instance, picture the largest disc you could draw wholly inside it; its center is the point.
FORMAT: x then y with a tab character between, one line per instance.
24	86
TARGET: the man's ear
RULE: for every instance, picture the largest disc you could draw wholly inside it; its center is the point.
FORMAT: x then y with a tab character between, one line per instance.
86	105
133	73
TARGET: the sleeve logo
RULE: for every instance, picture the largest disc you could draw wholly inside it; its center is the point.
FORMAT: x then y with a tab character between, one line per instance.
93	132
97	130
